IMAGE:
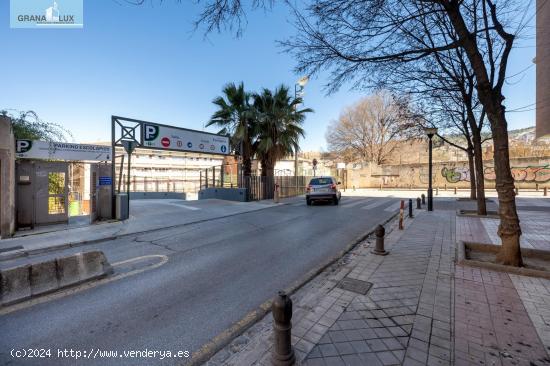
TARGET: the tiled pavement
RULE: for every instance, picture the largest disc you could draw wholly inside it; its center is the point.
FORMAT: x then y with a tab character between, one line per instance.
534	225
421	310
492	326
406	316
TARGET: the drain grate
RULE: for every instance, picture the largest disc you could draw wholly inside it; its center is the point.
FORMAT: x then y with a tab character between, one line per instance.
353	285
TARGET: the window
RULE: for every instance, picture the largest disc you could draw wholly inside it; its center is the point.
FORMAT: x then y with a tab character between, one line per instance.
320	181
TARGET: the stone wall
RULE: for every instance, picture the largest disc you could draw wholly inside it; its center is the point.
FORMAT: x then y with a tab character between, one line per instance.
528	173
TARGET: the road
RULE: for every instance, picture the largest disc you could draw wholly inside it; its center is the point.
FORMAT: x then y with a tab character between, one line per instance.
217	271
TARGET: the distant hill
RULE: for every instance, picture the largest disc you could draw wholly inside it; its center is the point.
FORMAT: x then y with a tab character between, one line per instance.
523	134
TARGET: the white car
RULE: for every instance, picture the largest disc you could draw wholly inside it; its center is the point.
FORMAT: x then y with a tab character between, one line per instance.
323	189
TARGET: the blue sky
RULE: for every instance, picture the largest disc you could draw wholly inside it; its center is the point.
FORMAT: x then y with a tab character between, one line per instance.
145	62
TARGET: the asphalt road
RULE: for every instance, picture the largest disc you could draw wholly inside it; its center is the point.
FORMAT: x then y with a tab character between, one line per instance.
217	271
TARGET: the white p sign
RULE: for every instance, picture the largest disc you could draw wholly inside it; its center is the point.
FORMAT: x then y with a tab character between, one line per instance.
150	132
22	146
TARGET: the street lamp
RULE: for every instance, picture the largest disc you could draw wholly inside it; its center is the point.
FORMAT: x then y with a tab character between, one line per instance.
298	91
430	132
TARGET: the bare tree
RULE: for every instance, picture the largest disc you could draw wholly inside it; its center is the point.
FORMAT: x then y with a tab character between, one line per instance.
356	39
444	86
370	128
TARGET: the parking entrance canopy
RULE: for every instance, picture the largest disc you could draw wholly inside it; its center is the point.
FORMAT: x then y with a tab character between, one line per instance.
35	149
149	135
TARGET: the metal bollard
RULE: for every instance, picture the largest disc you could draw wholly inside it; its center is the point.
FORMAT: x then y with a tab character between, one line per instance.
423	198
455	190
401	211
276	194
410	207
517	191
283	353
437	191
445	186
537	187
380	186
379	249
418	207
545	191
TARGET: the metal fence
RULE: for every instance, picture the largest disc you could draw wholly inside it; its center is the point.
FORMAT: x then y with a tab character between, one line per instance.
261	188
258	187
159	184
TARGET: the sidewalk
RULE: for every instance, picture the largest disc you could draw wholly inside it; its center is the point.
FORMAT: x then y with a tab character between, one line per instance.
145	215
421	309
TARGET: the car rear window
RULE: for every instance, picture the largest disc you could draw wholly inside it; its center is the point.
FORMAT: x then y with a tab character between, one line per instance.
320	181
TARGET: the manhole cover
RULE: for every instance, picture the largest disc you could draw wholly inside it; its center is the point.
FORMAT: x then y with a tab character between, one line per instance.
353	285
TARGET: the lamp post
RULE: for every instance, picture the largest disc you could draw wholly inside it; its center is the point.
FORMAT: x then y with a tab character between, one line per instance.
430	132
298	91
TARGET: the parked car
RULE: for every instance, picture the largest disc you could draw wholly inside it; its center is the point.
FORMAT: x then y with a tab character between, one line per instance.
323	189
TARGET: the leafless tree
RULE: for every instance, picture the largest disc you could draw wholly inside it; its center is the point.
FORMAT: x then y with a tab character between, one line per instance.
444	86
370	128
355	40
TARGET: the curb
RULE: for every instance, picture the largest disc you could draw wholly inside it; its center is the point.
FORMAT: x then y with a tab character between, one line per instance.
26	253
462	259
26	281
224	338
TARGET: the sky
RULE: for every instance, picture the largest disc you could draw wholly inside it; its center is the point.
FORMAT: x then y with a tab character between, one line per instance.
146	62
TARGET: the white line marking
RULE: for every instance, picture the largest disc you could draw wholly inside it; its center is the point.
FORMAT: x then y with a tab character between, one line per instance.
354	202
375	204
392	208
189	207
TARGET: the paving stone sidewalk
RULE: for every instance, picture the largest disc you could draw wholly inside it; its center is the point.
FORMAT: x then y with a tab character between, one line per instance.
421	309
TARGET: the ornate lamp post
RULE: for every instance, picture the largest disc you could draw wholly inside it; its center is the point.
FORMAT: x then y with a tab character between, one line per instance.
430	132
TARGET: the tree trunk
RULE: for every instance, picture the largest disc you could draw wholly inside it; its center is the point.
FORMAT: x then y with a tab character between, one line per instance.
247	159
480	174
508	229
491	98
473	177
264	167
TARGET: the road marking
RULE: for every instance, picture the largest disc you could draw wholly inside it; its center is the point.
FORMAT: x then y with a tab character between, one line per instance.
375	204
189	207
354	202
392	208
85	286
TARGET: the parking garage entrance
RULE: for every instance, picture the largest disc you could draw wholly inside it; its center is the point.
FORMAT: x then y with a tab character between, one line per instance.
74	191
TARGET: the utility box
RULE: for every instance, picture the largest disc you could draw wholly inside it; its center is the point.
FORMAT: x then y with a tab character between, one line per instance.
122	207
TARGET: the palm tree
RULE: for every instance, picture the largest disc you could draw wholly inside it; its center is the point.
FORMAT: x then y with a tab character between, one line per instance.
236	115
278	126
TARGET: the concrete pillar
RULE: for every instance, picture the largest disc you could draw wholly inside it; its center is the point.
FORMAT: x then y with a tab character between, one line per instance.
543	68
7	178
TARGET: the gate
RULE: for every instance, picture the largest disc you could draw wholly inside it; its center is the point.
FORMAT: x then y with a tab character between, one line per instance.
51	192
42	193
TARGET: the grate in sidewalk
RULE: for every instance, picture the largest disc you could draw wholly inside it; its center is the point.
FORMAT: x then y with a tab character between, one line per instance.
353	285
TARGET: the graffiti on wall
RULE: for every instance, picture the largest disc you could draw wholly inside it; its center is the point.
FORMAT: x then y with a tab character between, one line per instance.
526	174
457	174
